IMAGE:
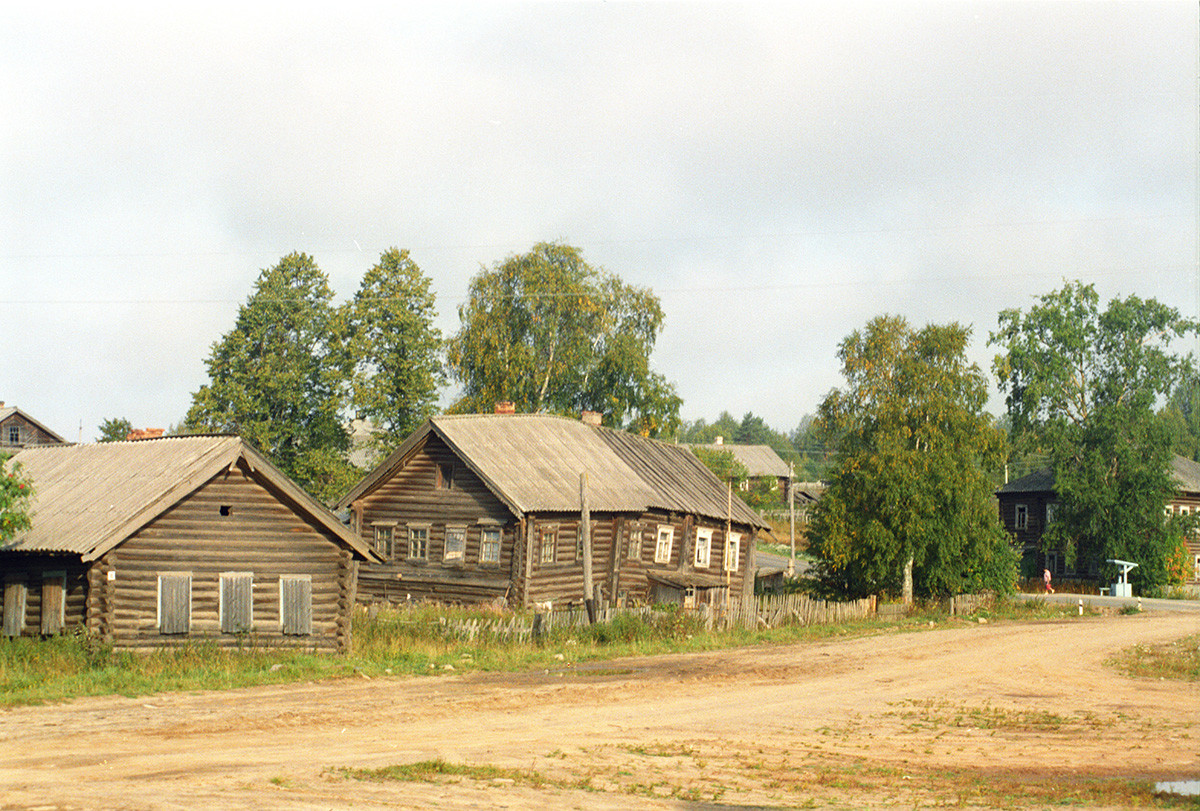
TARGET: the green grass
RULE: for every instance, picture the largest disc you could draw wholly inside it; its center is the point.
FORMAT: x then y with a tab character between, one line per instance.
1178	660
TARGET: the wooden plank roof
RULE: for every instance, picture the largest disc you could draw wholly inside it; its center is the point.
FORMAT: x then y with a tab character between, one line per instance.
89	498
532	463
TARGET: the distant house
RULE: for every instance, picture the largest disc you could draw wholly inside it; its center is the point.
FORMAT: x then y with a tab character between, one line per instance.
158	542
19	430
1027	508
483	507
762	464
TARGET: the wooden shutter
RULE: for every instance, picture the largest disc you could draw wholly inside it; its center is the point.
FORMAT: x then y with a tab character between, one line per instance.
295	604
54	588
237	602
14	606
174	603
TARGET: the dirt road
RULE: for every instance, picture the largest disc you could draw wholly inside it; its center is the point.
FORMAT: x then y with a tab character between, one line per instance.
963	713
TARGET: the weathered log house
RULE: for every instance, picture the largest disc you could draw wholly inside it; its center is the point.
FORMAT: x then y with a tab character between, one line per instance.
19	430
157	542
478	507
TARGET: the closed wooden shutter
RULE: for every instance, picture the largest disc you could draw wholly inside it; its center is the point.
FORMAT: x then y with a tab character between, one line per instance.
295	604
54	587
237	602
14	606
175	603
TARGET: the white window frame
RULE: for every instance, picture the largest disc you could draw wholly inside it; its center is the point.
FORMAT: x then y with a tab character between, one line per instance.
459	553
226	610
1051	510
665	541
1021	517
733	551
1196	569
634	552
703	554
418	542
548	548
485	544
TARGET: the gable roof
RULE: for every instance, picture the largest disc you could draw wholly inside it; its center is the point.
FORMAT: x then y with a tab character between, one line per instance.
89	498
532	462
759	460
8	411
1185	472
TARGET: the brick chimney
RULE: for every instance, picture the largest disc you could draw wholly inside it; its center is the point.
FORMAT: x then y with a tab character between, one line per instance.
591	418
506	407
145	433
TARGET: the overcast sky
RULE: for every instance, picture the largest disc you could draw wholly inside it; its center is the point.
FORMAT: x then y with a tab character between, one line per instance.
777	173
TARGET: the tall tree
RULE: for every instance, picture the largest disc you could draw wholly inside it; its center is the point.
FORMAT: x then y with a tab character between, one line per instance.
16	490
396	348
549	332
278	378
1081	386
115	429
908	492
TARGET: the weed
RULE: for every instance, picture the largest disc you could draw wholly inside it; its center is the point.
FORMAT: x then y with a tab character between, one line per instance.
1170	660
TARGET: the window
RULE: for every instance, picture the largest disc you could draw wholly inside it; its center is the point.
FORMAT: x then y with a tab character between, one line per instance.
54	608
14	435
15	593
1184	510
733	548
418	543
174	603
1022	518
489	545
445	476
662	549
1051	508
1054	563
703	546
236	608
385	541
295	604
1196	571
549	547
456	543
635	543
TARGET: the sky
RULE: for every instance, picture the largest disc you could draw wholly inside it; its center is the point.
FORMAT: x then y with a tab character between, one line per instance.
778	174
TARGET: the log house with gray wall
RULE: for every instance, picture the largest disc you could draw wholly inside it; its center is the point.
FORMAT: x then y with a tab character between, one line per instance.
155	543
474	508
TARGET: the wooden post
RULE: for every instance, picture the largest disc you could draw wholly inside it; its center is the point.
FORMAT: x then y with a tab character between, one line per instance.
728	529
585	530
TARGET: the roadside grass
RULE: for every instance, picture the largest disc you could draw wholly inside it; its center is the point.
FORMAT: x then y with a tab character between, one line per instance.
1178	660
418	640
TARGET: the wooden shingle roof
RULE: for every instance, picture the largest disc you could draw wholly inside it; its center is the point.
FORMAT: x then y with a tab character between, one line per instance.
532	463
89	498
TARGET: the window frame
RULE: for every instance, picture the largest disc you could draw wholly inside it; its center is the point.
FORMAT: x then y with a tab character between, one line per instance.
295	619
1021	516
733	544
445	476
461	555
704	536
664	543
413	548
14	434
548	544
485	544
634	551
384	531
235	602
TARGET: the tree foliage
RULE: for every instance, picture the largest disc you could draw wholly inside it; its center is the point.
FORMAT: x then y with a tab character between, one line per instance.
16	490
278	378
549	332
115	429
909	482
1081	386
395	347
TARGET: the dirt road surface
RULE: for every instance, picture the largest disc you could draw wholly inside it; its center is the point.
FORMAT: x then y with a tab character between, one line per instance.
982	715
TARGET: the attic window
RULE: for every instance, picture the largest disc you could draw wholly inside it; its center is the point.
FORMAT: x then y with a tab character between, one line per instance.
14	435
445	476
226	510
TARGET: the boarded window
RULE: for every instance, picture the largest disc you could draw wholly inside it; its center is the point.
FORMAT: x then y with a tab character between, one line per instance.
635	543
15	593
174	603
384	541
295	604
733	548
418	543
703	547
54	603
489	546
445	476
549	544
662	549
237	602
456	543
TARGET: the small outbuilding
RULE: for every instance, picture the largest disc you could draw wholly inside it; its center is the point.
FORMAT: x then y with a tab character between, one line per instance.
158	542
